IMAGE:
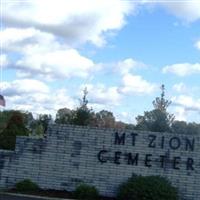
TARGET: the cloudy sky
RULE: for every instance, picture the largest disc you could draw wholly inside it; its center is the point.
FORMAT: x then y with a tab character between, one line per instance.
122	51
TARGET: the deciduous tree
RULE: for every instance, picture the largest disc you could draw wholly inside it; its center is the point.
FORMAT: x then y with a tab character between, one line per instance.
15	127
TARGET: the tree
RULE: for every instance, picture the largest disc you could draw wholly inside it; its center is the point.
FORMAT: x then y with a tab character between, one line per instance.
84	101
4	118
44	120
28	118
104	119
179	127
83	115
160	103
39	125
154	120
193	128
182	127
158	120
64	116
39	130
15	127
121	125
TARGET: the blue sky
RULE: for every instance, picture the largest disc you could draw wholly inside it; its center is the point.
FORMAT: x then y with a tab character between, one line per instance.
122	51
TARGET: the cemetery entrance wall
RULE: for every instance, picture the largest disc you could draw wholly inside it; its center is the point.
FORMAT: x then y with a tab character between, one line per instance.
70	155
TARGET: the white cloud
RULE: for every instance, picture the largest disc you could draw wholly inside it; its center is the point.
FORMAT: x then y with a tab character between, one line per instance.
136	84
179	87
43	56
43	36
23	87
18	39
3	60
186	10
187	102
125	117
198	44
188	90
99	94
185	107
34	35
126	65
182	69
76	21
180	114
35	96
53	65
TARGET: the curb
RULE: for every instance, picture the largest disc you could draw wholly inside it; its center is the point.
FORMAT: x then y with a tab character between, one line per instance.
33	196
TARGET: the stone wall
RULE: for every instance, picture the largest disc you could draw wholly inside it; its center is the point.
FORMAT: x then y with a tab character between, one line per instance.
70	155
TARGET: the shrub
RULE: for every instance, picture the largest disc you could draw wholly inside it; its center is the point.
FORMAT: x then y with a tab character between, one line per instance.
86	192
26	186
147	188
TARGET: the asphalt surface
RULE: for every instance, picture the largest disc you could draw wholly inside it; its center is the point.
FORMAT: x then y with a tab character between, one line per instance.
21	197
11	197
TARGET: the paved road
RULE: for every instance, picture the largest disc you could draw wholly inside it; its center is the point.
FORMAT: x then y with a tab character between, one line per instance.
10	197
21	197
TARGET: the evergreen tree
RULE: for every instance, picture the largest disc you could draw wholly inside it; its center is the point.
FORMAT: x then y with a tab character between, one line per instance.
161	103
158	120
83	115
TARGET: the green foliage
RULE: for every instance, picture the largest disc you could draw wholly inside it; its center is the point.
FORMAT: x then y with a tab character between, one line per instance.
147	188
5	116
39	130
82	115
26	186
182	127
154	120
86	192
157	120
44	120
64	116
39	126
105	119
86	117
193	128
179	127
161	103
15	127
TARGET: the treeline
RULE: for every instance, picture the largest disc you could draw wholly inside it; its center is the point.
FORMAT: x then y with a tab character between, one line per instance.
13	123
24	118
156	120
85	116
17	123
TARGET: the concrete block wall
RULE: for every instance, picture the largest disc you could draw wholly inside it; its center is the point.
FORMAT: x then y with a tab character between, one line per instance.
70	155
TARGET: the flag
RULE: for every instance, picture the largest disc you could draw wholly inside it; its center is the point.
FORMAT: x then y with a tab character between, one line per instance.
2	101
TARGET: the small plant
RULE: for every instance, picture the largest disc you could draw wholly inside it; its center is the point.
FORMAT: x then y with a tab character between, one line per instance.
26	186
86	192
147	188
